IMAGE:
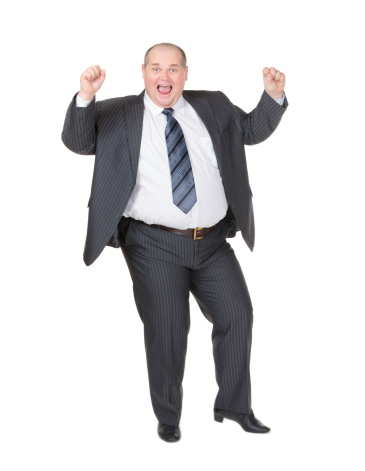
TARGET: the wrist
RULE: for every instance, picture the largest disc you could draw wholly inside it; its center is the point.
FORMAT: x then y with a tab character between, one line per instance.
85	96
276	96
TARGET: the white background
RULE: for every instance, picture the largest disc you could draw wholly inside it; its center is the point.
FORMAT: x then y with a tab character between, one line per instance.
74	392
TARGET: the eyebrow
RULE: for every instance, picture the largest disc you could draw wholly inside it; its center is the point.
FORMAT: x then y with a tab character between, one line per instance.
171	65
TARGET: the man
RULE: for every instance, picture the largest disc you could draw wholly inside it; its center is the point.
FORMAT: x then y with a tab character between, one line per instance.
170	185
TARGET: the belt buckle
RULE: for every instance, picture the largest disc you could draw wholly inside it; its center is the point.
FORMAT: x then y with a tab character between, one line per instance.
198	229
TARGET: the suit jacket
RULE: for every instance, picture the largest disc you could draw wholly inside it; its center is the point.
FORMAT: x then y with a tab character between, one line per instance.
112	130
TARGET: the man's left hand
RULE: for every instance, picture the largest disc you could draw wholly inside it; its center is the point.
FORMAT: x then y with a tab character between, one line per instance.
274	82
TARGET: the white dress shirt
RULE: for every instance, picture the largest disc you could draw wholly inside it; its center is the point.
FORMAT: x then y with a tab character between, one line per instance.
151	200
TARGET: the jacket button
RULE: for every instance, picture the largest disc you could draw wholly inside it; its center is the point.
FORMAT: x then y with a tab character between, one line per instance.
131	187
117	216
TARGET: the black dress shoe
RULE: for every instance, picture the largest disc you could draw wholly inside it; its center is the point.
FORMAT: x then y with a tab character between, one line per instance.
169	433
248	422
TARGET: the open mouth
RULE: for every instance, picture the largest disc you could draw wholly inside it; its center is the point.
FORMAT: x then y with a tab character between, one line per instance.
164	89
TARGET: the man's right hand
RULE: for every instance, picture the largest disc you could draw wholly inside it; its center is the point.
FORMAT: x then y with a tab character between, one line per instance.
91	81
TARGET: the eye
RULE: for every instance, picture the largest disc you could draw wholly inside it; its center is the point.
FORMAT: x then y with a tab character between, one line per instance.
172	70
156	69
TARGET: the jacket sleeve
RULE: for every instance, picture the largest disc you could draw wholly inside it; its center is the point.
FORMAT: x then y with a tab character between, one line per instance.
262	121
79	129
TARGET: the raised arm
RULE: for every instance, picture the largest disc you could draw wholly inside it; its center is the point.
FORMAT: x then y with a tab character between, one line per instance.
79	131
262	121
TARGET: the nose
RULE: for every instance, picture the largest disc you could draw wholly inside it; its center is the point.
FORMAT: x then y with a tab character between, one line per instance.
163	75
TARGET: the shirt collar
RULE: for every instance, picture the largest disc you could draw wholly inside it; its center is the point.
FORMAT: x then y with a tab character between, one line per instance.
156	110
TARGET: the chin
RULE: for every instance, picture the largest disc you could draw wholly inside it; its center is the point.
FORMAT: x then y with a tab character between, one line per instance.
165	103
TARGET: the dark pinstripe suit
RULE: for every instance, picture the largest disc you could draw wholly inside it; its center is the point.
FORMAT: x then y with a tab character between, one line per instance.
165	267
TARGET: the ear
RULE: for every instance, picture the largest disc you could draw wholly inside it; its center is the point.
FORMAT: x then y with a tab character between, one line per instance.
186	72
143	70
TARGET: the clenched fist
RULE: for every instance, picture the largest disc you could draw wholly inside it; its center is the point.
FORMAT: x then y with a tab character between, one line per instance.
274	82
90	82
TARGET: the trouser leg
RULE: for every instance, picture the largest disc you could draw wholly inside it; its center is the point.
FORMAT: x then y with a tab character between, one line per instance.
222	295
161	292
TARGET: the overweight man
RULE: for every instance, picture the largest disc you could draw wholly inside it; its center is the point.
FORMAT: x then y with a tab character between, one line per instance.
170	185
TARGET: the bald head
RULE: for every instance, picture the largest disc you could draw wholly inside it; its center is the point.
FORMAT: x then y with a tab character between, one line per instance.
166	45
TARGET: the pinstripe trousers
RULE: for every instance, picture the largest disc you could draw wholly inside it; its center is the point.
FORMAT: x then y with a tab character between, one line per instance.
165	268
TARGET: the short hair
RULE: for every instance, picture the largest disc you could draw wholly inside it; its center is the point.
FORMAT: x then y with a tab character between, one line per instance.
183	55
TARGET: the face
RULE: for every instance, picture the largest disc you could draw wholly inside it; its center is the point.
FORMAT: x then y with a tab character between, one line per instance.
164	76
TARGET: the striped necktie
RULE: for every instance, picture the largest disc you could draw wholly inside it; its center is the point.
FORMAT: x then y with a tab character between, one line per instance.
182	179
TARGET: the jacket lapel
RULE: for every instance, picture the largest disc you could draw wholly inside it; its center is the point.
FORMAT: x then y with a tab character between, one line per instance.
134	122
205	113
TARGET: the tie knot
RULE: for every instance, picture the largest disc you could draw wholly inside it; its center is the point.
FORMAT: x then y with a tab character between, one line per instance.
167	111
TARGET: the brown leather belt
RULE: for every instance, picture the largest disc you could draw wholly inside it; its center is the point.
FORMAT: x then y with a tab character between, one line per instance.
197	233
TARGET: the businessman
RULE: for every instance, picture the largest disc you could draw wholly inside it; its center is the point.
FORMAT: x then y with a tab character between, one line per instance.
170	185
